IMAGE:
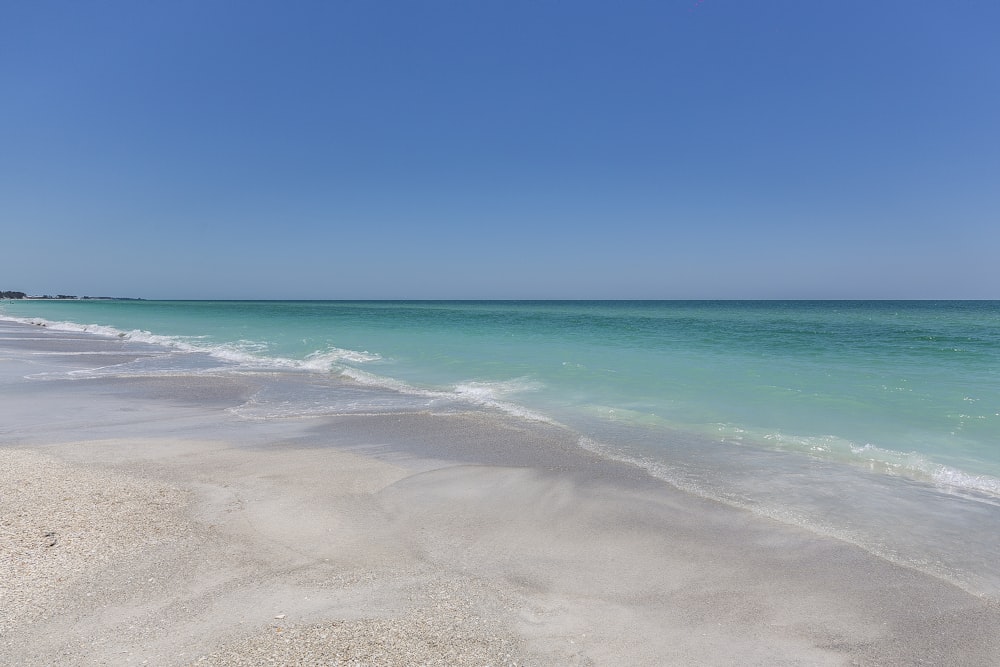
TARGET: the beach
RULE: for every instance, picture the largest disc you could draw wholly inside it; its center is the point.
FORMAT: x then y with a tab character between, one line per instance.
145	520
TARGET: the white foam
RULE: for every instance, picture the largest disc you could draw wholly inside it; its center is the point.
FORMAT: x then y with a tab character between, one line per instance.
327	359
491	394
919	466
491	391
246	353
382	382
952	478
137	335
484	394
913	465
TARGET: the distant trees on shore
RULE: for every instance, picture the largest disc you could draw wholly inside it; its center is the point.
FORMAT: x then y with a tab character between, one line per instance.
22	295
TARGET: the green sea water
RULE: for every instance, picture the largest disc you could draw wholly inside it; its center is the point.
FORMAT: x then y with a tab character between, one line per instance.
903	388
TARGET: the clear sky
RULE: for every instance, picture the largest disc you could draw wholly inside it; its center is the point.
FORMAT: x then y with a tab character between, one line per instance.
501	149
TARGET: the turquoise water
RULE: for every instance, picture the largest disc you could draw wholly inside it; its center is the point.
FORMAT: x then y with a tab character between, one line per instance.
909	389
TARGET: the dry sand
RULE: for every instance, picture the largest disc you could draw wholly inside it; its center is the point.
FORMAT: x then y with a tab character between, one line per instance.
142	523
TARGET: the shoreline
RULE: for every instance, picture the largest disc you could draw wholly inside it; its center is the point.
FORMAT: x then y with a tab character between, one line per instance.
947	474
406	538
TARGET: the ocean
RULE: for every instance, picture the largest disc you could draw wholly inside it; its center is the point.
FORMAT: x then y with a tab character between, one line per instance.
876	422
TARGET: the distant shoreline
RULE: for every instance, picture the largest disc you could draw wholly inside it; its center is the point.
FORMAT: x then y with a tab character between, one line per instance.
64	297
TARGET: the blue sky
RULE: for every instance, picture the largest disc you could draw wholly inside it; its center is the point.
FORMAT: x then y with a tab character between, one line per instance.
447	149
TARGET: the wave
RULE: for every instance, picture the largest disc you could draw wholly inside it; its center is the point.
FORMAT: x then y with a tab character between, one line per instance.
919	466
327	359
483	394
407	397
241	352
911	464
251	355
493	394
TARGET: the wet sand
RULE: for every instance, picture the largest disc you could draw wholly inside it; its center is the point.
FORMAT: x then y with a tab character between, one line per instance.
144	522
